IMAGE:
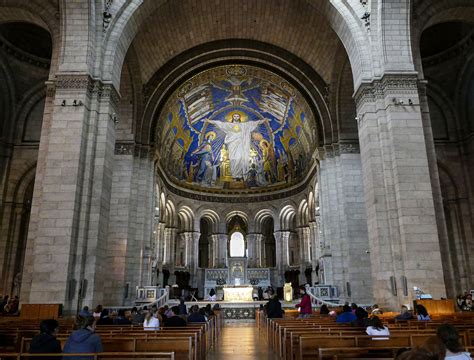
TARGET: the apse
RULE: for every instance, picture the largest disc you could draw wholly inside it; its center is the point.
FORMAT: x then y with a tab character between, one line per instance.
236	128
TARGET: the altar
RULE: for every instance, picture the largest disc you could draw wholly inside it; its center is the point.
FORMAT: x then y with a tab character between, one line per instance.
238	293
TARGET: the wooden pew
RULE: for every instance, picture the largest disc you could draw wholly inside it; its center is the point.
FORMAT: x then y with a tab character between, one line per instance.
99	356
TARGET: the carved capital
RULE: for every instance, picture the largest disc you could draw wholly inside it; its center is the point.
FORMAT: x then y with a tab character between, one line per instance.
124	149
75	82
349	148
388	85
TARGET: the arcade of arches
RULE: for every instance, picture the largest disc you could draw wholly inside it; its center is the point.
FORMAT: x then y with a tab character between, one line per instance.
149	142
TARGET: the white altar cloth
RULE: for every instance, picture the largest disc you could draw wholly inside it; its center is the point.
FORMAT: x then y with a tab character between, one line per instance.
238	293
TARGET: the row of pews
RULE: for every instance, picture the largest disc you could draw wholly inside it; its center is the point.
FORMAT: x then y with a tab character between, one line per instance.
321	337
192	342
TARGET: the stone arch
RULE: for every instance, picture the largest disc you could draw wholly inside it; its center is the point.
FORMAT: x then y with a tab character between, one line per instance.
170	218
8	99
455	254
427	13
248	52
311	206
39	13
238	213
33	96
162	206
287	216
302	218
463	101
340	16
16	233
438	97
261	216
186	218
212	217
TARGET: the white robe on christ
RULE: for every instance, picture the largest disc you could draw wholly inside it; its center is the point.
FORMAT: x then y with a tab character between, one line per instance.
237	139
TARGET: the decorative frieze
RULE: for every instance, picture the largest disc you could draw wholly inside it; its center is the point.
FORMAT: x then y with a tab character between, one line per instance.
94	87
349	148
386	86
124	149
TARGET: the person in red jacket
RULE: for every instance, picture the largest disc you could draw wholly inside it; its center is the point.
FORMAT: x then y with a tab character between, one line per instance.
305	305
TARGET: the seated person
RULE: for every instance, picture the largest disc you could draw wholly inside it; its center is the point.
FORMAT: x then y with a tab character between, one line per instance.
346	316
449	336
195	316
324	310
174	320
84	312
121	319
422	313
151	322
137	316
83	340
376	310
362	318
46	341
377	328
405	314
104	318
273	308
212	295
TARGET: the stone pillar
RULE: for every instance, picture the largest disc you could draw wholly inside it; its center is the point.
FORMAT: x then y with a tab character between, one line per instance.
222	250
403	234
260	251
213	250
282	253
169	243
315	250
343	222
252	250
304	239
71	203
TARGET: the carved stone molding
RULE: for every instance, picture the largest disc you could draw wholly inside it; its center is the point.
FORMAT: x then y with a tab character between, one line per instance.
349	148
124	149
388	85
74	82
106	92
50	89
336	149
94	87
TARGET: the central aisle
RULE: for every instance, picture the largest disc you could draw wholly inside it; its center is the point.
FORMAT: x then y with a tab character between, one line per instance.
241	341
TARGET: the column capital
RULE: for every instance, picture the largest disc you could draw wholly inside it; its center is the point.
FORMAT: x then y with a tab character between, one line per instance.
94	87
385	86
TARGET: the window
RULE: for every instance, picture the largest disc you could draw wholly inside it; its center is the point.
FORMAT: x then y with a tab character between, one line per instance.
237	245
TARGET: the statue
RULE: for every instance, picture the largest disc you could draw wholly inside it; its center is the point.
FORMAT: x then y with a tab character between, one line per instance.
288	292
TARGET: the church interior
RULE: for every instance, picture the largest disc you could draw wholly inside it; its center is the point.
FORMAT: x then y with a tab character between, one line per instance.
233	152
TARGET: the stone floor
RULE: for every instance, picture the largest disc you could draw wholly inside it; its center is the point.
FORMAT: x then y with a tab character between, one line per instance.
241	341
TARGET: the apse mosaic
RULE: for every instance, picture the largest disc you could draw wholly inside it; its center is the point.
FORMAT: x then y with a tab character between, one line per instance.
236	127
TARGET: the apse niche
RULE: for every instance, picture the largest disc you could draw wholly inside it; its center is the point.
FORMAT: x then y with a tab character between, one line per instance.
236	127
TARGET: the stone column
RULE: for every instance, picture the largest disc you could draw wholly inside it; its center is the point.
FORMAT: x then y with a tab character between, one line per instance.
304	238
315	250
252	250
343	222
71	203
403	234
169	243
282	256
222	250
213	250
260	251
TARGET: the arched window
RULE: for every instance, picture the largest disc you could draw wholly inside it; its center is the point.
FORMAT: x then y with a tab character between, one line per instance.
237	245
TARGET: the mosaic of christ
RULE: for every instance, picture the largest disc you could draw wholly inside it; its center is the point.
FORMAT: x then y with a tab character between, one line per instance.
236	127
